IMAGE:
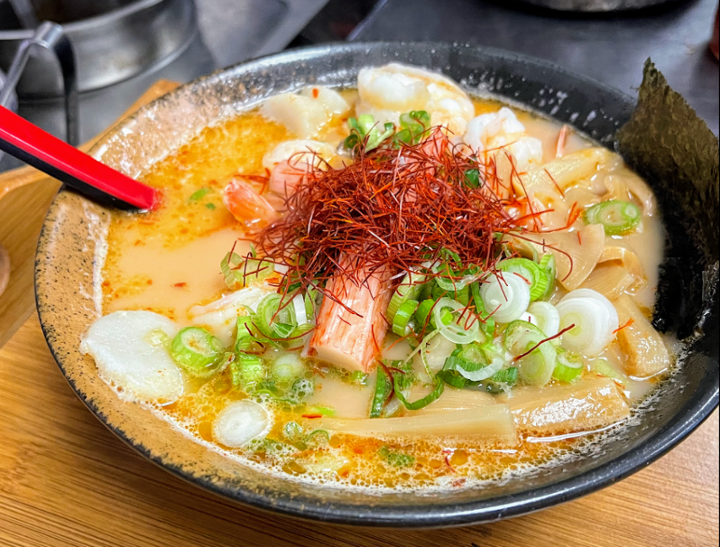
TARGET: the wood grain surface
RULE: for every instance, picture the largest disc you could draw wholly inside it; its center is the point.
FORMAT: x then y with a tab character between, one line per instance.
25	195
65	480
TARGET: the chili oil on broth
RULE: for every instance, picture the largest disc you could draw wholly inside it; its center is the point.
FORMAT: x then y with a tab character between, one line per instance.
167	261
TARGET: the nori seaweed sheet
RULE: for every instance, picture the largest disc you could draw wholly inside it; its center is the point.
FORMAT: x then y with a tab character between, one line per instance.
666	142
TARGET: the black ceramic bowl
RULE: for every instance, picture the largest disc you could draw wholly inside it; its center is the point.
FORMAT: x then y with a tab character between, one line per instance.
73	233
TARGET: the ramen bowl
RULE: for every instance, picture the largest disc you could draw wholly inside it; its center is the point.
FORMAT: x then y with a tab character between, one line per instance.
73	244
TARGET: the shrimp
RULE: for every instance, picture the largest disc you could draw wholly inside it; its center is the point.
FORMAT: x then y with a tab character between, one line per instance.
247	205
351	339
502	132
389	91
306	113
290	161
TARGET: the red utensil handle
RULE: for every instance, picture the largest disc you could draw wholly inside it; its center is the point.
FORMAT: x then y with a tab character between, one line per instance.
29	143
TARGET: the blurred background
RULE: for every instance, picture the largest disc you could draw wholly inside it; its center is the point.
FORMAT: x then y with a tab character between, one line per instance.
121	47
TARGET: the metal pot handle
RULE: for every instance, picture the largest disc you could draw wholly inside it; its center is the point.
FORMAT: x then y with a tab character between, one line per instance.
49	36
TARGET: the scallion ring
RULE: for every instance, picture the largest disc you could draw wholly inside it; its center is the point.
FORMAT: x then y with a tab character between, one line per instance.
196	351
617	217
529	271
401	322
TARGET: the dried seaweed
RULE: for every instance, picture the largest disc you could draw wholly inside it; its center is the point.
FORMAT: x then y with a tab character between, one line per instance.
668	143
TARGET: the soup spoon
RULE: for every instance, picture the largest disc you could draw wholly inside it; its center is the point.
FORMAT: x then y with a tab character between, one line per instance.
30	144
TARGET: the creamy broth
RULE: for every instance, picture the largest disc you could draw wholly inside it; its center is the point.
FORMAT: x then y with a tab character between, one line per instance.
167	261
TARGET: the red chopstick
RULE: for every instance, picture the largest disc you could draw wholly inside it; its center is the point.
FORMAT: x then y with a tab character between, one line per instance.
29	143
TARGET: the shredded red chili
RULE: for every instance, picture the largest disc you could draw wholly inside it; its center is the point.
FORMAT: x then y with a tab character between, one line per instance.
390	208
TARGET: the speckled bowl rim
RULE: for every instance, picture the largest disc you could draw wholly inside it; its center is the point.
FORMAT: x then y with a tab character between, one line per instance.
699	406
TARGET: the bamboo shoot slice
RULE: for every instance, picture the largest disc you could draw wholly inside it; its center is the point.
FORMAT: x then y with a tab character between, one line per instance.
565	171
646	352
352	340
584	247
588	405
625	184
492	423
453	400
618	271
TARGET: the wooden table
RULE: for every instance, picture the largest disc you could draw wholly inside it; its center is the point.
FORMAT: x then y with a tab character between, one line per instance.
65	480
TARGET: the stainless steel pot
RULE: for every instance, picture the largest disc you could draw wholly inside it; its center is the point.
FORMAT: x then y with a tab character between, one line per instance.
111	47
596	5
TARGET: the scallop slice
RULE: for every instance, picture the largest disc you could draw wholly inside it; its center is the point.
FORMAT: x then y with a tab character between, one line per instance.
128	350
303	152
221	316
241	422
306	113
387	92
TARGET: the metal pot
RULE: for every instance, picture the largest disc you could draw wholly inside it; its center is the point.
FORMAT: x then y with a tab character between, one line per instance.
596	5
111	47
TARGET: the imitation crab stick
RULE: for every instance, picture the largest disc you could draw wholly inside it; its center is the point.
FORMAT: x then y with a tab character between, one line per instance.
349	335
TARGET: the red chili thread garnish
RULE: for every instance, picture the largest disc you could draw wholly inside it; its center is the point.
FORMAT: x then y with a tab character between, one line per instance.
557	186
562	139
579	236
180	285
388	211
448	454
536	346
312	416
630	323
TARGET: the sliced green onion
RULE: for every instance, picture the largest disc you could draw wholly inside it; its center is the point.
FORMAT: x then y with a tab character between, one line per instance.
317	439
487	323
239	273
617	217
535	368
158	338
295	435
474	354
421	403
301	389
530	271
569	366
401	322
472	178
603	368
286	368
502	381
459	371
359	378
364	129
272	321
301	331
196	351
245	341
414	126
462	295
548	265
463	330
409	289
322	410
396	459
247	371
507	376
383	388
199	194
422	313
